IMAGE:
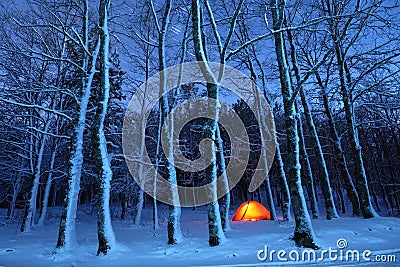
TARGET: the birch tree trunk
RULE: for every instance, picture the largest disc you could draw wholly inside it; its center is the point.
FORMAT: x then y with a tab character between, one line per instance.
105	232
303	234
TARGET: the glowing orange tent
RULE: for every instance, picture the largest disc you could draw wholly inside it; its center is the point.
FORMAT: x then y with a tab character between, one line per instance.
251	211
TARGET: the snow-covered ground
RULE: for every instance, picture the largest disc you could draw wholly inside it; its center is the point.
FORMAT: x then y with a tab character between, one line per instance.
142	246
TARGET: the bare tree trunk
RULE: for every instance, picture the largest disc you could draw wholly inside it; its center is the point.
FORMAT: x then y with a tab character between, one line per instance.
303	234
286	202
341	197
122	199
66	233
325	182
16	189
166	109
225	201
29	215
16	186
48	186
338	153
355	147
157	163
105	232
360	175
222	48
310	178
139	204
216	234
261	118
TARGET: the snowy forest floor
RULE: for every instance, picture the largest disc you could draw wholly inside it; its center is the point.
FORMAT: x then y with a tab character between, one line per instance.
143	246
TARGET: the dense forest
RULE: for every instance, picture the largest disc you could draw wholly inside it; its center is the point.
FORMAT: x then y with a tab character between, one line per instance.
328	72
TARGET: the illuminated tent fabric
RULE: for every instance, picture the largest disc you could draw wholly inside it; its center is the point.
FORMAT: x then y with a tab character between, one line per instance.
251	211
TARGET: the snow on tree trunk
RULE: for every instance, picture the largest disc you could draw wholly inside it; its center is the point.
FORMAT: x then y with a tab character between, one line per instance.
167	114
29	215
155	213
105	232
225	201
66	232
324	179
216	234
310	179
261	118
139	204
157	164
355	147
339	154
174	230
360	175
303	234
286	205
48	187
